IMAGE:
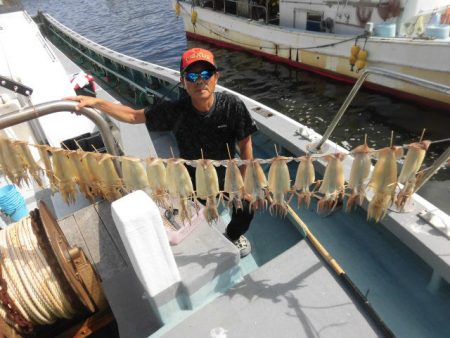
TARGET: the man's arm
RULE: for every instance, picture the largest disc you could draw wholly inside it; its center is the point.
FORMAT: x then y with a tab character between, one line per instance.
246	151
118	111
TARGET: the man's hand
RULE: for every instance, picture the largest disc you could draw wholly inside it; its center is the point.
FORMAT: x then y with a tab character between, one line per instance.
115	110
84	101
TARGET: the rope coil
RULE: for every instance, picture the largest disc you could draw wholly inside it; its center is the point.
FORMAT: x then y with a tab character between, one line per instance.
30	281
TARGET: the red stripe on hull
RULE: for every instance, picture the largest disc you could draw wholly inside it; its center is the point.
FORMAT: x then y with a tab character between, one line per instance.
336	76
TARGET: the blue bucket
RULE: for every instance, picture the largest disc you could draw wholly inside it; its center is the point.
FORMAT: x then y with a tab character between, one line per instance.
438	31
385	30
12	202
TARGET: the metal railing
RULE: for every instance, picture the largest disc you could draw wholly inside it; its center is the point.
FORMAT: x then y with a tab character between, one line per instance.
375	71
433	169
30	113
398	76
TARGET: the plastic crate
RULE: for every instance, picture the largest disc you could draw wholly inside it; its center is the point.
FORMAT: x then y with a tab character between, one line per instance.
178	235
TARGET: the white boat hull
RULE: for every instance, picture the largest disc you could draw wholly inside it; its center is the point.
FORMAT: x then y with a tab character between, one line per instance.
419	58
25	57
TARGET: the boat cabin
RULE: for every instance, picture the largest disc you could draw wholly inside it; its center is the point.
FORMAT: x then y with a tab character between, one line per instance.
384	18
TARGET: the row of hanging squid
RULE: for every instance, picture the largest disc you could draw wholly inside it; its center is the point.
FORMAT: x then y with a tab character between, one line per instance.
168	182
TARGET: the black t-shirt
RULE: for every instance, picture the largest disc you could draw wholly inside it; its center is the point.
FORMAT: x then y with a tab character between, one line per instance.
228	121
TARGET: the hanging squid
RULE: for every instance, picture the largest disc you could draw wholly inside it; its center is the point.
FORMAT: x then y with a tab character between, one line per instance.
48	169
304	178
411	165
279	185
105	178
11	163
91	160
156	176
207	185
28	161
383	182
179	185
83	176
65	174
110	182
358	175
255	184
234	184
134	174
333	183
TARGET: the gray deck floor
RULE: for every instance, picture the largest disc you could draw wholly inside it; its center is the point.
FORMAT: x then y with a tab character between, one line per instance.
294	295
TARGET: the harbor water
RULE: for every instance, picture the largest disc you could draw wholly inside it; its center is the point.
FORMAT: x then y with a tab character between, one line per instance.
150	30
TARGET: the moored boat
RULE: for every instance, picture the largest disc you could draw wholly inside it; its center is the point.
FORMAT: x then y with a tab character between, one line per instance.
335	39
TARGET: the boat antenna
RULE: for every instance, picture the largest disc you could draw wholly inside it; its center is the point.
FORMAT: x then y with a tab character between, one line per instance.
171	151
365	138
276	151
392	138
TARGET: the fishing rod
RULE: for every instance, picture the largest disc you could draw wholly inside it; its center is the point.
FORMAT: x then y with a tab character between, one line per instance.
358	295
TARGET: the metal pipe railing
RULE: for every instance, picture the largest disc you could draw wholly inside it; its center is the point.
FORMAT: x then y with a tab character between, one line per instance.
433	169
382	72
47	108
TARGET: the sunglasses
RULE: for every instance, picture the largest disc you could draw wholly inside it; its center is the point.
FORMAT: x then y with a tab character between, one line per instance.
204	75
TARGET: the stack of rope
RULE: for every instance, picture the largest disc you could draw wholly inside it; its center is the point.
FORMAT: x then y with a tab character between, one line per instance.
30	293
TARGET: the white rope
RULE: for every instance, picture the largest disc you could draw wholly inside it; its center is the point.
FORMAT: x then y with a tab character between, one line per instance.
6	274
25	286
50	288
32	285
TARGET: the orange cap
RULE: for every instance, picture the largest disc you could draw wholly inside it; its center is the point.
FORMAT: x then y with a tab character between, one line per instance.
194	55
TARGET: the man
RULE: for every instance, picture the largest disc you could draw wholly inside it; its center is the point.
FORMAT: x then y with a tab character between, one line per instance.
202	120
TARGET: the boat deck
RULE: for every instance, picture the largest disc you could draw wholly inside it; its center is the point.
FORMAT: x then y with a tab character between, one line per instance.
282	300
208	263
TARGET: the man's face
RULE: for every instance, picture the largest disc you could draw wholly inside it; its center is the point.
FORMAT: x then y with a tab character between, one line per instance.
200	89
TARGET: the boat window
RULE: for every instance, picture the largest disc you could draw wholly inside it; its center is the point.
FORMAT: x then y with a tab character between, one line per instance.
261	10
313	21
